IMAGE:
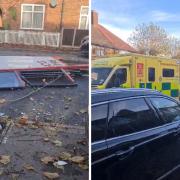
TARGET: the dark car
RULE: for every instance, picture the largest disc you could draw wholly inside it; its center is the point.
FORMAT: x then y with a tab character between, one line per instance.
134	134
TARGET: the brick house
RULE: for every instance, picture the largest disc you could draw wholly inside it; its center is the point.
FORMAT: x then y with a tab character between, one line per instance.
43	15
105	42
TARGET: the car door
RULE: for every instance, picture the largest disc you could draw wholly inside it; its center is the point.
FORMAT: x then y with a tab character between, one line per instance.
132	124
98	131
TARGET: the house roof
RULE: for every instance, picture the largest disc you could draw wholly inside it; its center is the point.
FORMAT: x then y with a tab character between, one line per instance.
103	37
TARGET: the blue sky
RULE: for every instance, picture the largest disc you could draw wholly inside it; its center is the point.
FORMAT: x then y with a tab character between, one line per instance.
121	16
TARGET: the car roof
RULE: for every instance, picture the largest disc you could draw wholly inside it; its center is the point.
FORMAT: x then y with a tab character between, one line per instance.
118	93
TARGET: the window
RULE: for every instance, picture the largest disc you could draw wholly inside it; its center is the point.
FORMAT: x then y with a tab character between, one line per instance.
99	75
99	115
151	74
118	78
32	16
130	116
169	110
168	72
83	22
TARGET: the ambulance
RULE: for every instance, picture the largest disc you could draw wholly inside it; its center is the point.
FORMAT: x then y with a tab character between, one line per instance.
137	71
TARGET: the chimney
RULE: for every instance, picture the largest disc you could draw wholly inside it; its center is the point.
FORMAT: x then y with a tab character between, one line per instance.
94	17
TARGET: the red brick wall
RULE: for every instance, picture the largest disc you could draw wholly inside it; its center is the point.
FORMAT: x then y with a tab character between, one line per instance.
72	12
52	15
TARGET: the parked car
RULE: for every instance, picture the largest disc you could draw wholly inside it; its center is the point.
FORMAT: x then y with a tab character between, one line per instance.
134	134
84	47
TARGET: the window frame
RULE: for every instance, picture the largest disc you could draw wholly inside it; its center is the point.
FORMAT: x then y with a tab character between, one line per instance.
32	5
81	15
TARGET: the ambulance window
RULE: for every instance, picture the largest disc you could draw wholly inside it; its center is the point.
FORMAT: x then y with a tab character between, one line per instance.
168	72
151	74
118	78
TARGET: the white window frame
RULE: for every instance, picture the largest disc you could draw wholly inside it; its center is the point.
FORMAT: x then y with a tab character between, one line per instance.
42	5
81	15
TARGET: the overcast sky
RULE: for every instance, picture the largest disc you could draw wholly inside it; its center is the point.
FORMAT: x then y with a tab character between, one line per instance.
121	16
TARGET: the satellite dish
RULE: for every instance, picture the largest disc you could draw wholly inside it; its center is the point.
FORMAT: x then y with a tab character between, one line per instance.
53	3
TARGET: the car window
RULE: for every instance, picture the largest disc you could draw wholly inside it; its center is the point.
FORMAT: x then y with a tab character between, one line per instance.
129	116
99	117
168	109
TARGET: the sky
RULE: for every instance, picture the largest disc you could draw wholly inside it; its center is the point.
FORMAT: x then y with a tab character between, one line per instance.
122	16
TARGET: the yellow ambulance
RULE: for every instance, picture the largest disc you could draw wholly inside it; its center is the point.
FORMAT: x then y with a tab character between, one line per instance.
137	71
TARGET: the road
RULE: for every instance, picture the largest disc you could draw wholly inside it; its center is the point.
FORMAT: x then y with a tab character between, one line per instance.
55	120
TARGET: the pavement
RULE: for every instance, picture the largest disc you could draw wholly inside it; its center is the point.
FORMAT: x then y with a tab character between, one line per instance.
68	56
45	133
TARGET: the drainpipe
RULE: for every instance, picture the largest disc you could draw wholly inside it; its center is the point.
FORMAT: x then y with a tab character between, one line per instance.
62	13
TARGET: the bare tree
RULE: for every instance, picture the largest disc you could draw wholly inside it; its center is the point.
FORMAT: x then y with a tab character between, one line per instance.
150	39
174	47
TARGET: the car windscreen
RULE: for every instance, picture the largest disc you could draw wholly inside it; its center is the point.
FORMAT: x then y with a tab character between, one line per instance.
99	75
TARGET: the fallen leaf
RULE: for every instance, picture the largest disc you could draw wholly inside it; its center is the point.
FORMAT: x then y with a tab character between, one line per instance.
51	175
32	126
2	101
82	111
23	120
47	159
57	143
4	159
65	156
77	159
50	131
83	166
29	167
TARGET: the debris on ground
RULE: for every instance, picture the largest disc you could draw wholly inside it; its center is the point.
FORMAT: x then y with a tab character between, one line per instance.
47	159
77	159
57	143
23	120
4	159
65	156
41	132
51	175
2	101
60	164
29	167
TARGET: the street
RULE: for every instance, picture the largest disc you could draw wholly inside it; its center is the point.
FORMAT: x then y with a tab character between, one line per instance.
45	135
